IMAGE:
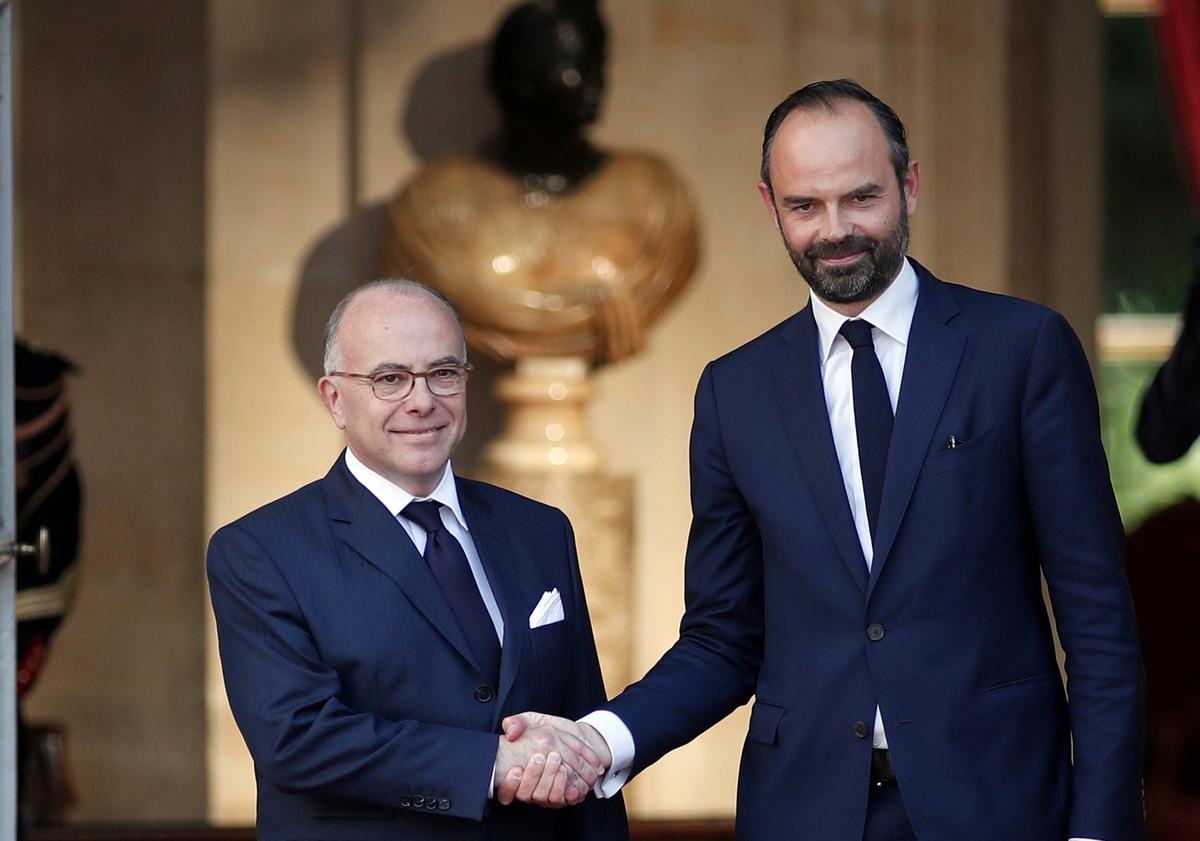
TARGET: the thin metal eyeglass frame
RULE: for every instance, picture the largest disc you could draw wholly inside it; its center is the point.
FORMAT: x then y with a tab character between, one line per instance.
465	368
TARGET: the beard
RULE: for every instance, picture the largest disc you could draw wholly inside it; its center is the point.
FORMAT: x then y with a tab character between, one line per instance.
861	280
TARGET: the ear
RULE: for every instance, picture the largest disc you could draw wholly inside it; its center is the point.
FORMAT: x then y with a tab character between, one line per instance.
331	396
769	200
912	187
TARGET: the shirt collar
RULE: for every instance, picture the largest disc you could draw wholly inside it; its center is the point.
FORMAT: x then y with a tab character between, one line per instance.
892	312
395	498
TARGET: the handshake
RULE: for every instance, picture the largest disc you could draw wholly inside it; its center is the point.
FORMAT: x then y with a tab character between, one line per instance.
547	760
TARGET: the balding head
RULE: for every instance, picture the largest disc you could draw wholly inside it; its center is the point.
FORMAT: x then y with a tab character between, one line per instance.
387	286
397	333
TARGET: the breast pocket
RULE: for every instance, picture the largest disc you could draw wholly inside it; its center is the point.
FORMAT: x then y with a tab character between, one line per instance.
964	452
556	633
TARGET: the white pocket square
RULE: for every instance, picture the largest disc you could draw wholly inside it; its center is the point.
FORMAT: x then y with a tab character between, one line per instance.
548	611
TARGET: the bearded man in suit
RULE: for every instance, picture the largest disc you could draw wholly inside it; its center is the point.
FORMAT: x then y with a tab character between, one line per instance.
879	484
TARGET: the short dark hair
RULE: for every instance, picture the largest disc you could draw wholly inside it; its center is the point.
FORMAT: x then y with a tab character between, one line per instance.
828	94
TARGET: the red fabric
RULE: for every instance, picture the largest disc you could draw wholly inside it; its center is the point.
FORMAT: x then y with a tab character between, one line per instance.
1179	43
29	664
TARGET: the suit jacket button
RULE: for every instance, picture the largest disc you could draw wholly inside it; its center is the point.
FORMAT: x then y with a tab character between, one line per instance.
483	693
444	804
405	801
419	801
875	632
861	730
431	803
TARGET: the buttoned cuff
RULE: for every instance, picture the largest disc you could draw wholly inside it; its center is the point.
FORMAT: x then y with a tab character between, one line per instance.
620	744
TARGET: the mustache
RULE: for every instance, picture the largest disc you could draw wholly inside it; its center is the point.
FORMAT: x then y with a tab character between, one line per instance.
852	244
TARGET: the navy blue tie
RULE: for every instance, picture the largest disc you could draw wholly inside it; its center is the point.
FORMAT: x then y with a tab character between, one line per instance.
872	414
448	561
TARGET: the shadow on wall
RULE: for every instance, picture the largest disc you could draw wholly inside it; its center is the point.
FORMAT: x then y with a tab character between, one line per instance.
447	111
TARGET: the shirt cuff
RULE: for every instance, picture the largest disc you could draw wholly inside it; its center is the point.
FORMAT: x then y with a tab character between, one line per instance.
620	744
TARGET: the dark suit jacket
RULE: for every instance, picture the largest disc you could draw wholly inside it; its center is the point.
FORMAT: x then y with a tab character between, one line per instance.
1169	421
355	689
948	632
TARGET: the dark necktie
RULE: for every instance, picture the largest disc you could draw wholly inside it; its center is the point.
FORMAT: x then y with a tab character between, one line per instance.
448	562
872	415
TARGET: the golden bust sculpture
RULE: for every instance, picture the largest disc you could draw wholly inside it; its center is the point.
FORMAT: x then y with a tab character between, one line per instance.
551	247
559	256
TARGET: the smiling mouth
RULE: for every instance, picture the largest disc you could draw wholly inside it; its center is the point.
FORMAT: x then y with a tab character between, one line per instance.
419	433
837	261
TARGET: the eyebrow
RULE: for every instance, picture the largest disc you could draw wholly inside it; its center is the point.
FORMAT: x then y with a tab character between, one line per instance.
794	200
870	187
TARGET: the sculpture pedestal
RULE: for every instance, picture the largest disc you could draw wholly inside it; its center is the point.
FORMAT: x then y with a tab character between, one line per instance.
545	452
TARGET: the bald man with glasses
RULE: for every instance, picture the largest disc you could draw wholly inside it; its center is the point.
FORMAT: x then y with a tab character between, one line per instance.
377	625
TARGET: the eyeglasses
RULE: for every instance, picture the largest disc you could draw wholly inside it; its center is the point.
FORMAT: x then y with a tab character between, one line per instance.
443	381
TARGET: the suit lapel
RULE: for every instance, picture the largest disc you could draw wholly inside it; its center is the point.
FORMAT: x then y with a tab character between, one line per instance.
496	554
930	365
802	401
372	532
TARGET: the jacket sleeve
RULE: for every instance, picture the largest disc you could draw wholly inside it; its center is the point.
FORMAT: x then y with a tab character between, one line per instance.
1081	543
288	703
713	666
1169	421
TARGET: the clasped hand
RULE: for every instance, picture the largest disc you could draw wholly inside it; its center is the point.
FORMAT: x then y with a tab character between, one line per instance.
547	760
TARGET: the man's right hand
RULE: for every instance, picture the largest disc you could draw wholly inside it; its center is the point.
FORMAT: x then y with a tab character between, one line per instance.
546	760
540	782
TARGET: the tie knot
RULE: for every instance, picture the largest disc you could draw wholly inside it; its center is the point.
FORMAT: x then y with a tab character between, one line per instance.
427	514
858	333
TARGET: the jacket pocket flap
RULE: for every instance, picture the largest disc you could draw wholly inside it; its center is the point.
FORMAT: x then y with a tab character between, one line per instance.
764	723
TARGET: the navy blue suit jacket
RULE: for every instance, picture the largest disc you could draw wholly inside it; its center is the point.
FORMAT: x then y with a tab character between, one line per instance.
354	687
959	655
